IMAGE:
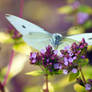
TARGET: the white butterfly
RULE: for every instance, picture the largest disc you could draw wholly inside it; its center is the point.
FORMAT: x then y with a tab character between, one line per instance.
39	38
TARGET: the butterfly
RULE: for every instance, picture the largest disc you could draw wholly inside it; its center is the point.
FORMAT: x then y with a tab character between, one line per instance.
38	38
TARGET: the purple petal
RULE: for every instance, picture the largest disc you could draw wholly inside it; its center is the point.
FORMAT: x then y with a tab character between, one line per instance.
70	60
33	61
43	51
34	55
55	52
65	71
88	87
74	70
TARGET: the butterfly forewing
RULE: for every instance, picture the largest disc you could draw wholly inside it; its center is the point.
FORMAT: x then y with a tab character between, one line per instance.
23	26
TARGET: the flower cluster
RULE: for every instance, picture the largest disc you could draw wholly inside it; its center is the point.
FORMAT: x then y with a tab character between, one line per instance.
71	56
48	59
67	60
15	34
88	85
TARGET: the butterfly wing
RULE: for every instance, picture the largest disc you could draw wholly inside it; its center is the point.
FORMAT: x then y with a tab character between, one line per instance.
78	37
38	40
66	42
32	34
23	26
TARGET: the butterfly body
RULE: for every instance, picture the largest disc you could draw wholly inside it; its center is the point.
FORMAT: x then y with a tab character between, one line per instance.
38	38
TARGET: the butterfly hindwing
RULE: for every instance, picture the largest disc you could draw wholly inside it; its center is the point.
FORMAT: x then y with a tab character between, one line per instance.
78	37
38	40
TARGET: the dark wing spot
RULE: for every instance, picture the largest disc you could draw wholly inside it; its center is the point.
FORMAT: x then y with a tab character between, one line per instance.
89	38
23	26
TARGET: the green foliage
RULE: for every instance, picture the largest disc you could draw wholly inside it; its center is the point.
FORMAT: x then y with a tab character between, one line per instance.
17	66
79	88
32	89
83	62
5	38
35	73
22	48
85	9
88	24
73	76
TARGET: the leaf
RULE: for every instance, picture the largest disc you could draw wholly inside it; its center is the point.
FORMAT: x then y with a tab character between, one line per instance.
89	48
87	70
88	24
22	48
35	73
17	65
79	88
85	9
5	38
73	76
65	9
83	62
32	89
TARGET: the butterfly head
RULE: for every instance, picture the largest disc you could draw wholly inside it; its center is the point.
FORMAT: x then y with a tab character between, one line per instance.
57	39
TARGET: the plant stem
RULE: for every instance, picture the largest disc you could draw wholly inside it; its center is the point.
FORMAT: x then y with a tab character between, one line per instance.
46	81
21	8
1	88
9	68
82	75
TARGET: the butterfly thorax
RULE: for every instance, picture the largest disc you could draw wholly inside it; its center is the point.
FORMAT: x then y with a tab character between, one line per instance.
56	39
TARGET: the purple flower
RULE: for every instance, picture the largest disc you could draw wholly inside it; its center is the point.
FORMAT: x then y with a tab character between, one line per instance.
82	17
33	61
83	57
65	71
70	53
34	55
74	70
67	48
65	61
61	55
47	60
88	87
76	4
70	60
75	57
55	52
43	51
57	66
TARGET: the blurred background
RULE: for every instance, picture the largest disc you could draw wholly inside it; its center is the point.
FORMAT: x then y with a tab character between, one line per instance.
49	15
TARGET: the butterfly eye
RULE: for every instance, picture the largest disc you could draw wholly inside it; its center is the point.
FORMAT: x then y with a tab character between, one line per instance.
23	26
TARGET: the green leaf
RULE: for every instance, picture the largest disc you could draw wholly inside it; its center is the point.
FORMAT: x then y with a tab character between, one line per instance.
73	76
35	73
5	38
88	24
1	76
17	65
79	88
83	62
32	89
22	48
85	9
